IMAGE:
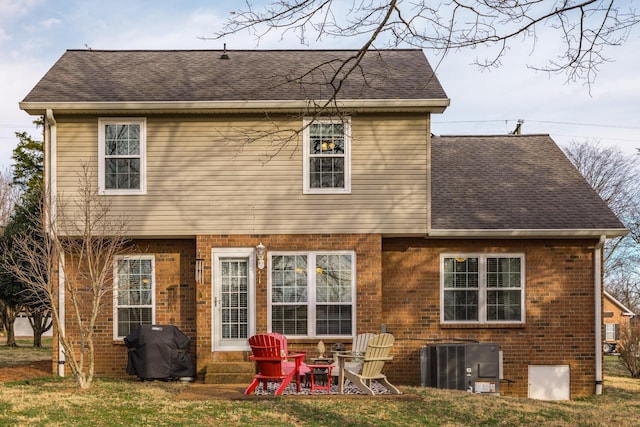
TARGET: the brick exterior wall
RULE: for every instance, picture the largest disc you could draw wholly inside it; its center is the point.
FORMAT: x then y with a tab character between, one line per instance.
368	249
175	304
559	327
612	313
398	285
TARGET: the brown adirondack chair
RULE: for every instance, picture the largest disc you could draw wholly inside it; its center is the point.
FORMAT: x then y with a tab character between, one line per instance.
377	353
270	354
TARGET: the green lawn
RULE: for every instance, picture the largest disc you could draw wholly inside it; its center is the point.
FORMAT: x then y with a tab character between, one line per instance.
51	401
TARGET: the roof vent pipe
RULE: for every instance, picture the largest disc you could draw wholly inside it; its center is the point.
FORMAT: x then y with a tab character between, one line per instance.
224	53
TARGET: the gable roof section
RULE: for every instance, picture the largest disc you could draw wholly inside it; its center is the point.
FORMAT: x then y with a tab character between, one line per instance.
90	79
512	185
625	311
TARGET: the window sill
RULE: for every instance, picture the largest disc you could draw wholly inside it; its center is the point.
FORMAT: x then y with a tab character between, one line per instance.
122	192
482	325
326	192
329	340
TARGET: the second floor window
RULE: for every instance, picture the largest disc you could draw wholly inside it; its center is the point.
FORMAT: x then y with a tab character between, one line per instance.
122	156
327	156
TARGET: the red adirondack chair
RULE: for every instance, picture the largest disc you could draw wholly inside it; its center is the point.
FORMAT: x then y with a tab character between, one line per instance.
270	354
290	364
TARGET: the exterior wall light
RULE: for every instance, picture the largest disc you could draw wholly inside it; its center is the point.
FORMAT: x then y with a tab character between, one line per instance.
260	253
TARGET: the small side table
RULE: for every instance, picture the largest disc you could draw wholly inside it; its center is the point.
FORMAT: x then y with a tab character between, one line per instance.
322	361
320	377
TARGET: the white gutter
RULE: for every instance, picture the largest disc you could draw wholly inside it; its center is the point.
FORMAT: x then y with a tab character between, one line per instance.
50	186
437	105
519	233
597	289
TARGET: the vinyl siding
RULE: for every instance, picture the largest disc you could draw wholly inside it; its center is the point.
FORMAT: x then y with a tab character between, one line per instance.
204	177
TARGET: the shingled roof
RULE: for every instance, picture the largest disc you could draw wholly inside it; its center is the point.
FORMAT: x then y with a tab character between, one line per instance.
98	76
512	182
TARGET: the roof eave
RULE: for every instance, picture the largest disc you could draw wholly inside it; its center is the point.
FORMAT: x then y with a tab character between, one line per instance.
529	233
622	307
437	105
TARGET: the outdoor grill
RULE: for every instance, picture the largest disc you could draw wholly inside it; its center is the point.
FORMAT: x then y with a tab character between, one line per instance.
159	352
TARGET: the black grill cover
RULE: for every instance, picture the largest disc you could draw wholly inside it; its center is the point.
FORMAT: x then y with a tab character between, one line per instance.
159	352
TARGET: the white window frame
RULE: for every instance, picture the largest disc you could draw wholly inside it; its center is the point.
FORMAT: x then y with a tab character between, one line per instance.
217	343
102	122
311	294
482	287
117	259
306	151
610	331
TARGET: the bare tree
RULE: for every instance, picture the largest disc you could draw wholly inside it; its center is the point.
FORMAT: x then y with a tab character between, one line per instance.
629	348
615	176
39	316
9	303
73	248
623	281
581	29
568	37
9	195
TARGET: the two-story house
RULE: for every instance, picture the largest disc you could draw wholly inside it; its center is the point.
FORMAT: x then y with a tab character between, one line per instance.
259	205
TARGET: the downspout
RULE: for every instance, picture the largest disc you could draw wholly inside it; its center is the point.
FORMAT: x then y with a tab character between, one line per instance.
61	316
597	285
428	172
51	163
50	185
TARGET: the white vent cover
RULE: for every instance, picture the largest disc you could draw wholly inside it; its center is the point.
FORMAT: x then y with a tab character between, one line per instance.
549	382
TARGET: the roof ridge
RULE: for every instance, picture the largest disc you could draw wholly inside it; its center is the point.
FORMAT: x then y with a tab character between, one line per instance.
244	50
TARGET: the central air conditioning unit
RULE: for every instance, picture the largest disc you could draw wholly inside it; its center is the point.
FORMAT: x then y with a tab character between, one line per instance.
472	367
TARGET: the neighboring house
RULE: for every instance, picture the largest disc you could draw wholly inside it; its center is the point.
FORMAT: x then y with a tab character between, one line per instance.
22	327
367	221
615	317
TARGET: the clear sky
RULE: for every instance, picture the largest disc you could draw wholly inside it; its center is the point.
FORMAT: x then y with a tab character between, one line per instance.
35	33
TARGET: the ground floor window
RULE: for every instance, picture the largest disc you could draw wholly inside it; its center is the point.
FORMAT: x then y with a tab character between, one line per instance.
312	294
611	330
134	288
482	288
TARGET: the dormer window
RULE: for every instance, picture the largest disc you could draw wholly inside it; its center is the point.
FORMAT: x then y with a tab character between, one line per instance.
327	156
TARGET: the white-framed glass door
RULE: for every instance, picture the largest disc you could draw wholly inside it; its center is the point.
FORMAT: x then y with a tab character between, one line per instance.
233	292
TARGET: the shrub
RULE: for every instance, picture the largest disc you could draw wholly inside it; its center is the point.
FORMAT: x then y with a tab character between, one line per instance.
629	348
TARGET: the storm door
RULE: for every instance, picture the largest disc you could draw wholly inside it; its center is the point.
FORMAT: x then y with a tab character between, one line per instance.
233	298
